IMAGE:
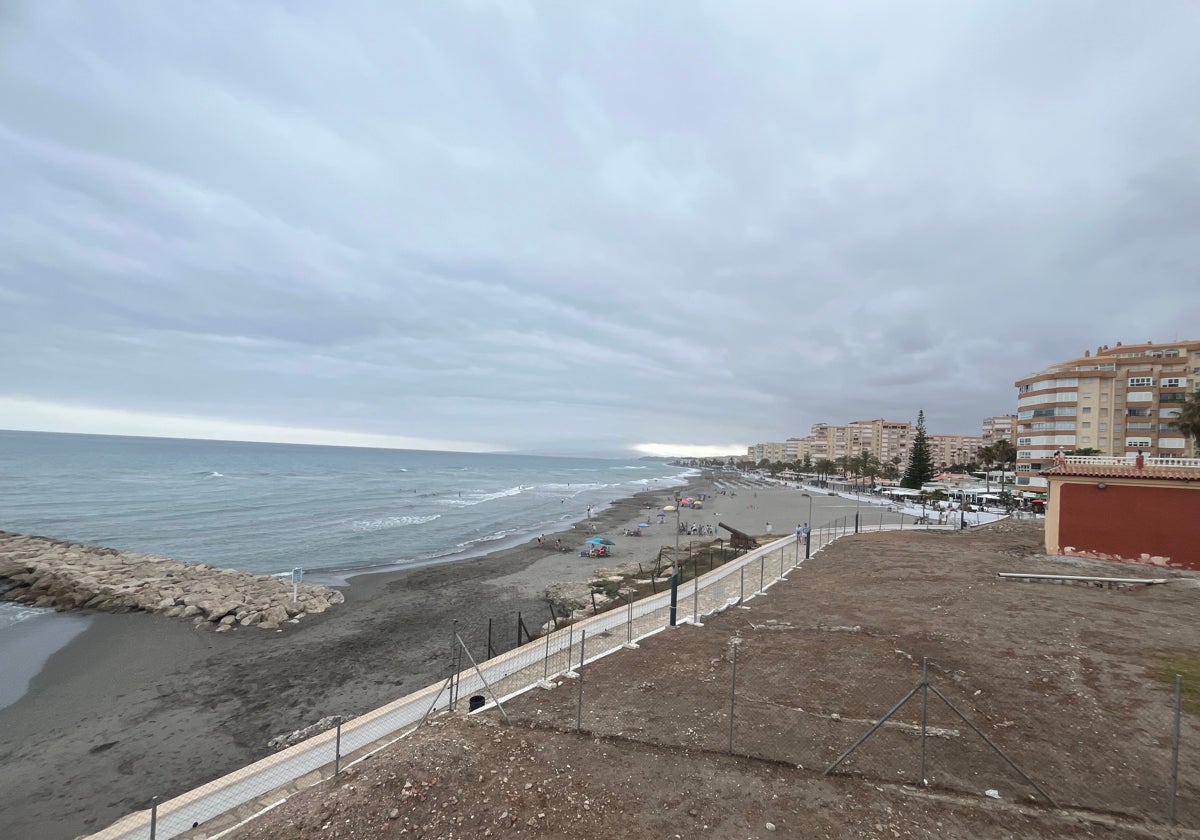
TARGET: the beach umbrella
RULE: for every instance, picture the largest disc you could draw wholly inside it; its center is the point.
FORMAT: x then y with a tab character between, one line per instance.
669	507
601	541
643	524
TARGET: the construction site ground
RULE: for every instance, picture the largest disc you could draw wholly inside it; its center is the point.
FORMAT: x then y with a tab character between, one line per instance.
1074	684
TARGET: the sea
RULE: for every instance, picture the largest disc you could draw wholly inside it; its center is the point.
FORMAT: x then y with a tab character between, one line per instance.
271	508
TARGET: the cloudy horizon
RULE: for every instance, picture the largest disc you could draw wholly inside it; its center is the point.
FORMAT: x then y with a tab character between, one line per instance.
524	226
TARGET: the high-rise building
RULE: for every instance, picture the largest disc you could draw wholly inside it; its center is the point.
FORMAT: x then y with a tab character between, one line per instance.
1001	427
1119	402
951	450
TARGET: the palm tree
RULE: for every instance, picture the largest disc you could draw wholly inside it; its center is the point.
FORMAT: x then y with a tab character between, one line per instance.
1188	419
1004	453
987	457
824	467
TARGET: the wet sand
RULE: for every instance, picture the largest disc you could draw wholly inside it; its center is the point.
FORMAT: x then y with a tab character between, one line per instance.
139	706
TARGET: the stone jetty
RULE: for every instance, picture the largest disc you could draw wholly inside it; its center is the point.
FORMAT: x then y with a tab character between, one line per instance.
45	572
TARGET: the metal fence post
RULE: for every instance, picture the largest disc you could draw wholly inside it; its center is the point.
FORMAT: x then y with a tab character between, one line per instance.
924	715
781	563
153	817
579	707
1175	745
762	571
570	643
546	658
742	585
337	749
453	658
695	599
732	695
629	623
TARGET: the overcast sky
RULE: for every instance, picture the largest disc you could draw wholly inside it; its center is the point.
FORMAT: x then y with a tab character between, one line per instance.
582	227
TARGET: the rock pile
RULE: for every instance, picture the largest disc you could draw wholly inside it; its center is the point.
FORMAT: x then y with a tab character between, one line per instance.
44	572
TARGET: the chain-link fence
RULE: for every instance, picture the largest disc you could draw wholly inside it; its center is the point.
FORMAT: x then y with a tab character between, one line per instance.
866	710
476	679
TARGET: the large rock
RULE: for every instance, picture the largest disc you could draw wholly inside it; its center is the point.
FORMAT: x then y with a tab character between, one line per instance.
46	572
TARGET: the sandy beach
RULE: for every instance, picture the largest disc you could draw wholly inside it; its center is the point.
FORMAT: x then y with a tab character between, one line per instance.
138	706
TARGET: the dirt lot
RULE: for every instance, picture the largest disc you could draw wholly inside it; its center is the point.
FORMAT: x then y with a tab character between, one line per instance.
1073	683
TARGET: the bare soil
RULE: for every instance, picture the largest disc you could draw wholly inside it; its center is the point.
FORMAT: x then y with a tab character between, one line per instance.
1074	684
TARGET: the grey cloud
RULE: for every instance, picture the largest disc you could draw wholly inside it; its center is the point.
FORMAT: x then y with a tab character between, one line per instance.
611	223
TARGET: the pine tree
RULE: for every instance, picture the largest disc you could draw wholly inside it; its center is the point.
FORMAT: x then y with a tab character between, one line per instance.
920	460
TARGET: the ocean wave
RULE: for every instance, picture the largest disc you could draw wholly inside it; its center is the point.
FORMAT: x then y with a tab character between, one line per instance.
479	498
631	467
496	535
210	474
392	522
11	613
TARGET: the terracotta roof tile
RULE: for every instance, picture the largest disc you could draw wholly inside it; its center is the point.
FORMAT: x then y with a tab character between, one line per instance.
1124	471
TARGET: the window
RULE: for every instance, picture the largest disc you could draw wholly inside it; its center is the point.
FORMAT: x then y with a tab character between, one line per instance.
1104	427
1137	442
1140	381
1140	427
1103	441
1086	425
1172	398
1024	442
1137	412
1087	409
1174	382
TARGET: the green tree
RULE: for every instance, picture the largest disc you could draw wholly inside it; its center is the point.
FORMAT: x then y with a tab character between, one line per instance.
869	465
987	457
1005	453
824	468
920	459
1188	419
807	464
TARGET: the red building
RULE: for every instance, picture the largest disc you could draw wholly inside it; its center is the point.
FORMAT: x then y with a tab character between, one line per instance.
1142	510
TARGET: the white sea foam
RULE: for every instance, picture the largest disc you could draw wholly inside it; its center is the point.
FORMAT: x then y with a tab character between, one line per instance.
392	522
11	613
479	498
498	535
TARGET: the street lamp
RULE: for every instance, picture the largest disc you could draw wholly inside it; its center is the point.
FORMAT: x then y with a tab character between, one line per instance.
809	523
674	562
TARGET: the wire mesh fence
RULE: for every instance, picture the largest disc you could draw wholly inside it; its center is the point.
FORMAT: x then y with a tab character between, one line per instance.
698	594
900	720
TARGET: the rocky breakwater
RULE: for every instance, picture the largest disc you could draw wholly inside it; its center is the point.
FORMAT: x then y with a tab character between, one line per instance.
44	572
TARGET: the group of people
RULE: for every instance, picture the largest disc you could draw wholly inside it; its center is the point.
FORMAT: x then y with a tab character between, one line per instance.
695	529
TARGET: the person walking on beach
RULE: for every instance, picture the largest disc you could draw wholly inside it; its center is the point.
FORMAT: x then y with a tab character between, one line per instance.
768	527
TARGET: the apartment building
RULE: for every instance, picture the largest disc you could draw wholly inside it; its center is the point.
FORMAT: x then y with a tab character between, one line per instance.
1001	427
887	440
948	450
1120	401
787	451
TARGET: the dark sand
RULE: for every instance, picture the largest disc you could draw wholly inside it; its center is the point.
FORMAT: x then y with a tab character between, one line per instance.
139	706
